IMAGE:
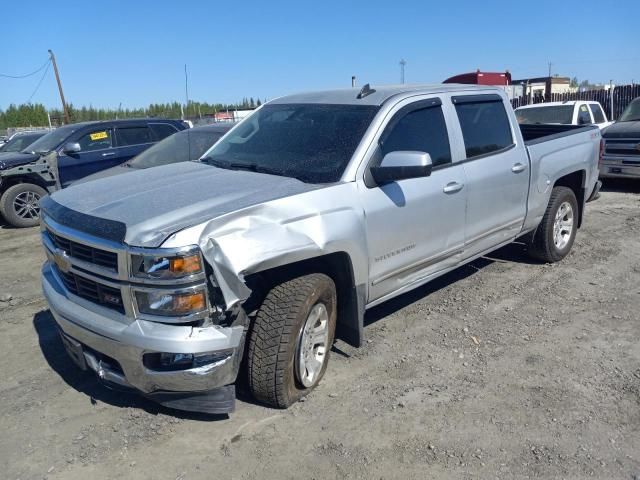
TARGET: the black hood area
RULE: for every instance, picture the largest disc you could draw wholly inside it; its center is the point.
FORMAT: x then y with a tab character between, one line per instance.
10	160
623	130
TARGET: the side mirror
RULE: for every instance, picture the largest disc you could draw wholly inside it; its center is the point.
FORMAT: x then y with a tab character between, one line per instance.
71	147
402	165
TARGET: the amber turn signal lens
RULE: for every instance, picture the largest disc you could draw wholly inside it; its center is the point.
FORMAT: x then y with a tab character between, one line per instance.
186	265
189	302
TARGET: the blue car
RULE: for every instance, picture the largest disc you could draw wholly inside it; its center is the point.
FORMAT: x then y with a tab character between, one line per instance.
68	154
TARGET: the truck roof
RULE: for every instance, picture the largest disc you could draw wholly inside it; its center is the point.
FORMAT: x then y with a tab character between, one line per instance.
380	94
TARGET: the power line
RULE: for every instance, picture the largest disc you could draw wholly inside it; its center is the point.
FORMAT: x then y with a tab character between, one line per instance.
28	74
39	83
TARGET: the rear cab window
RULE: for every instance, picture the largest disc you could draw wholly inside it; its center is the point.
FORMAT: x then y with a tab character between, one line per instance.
584	117
422	129
598	114
99	139
134	135
484	123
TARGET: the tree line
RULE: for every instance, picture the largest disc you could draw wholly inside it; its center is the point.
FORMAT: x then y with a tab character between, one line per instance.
35	115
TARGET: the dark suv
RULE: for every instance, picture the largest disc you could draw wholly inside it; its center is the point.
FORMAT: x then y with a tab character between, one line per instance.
68	154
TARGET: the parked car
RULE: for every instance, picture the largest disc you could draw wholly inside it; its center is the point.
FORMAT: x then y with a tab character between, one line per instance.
20	141
186	145
568	113
67	154
622	145
315	208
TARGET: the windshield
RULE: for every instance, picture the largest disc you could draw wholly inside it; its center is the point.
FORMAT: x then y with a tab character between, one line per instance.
182	146
310	142
632	112
548	114
20	142
52	140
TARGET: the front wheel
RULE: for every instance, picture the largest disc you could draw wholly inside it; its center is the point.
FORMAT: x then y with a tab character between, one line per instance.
20	204
290	339
554	237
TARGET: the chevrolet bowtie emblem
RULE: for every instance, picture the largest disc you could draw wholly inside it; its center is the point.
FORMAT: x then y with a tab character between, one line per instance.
62	260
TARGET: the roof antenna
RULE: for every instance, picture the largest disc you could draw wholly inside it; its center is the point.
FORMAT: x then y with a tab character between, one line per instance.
365	91
186	94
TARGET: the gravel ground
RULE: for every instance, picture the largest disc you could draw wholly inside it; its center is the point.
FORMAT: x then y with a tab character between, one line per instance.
502	369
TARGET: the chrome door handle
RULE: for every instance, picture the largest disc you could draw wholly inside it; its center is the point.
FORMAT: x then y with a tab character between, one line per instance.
108	154
518	167
452	187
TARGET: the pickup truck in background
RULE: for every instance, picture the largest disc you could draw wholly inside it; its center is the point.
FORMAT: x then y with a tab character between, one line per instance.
574	112
313	209
67	154
622	145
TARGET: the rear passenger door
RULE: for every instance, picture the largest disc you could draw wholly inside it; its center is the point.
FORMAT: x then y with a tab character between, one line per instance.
96	151
132	140
497	172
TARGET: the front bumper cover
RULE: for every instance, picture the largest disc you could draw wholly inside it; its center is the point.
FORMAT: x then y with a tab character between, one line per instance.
112	345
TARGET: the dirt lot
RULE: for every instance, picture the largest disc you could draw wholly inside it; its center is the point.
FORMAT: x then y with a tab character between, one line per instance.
502	369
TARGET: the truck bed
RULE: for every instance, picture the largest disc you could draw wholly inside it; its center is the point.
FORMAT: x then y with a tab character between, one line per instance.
542	132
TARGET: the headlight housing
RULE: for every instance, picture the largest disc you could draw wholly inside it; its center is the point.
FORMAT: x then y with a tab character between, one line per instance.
167	266
172	303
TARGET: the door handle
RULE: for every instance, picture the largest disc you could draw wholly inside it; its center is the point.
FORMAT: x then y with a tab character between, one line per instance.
518	167
108	154
452	187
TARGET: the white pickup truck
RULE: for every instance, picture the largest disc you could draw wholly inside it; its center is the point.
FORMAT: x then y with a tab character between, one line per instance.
313	209
576	112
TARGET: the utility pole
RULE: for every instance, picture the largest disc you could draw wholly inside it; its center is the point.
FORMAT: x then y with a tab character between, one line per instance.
403	62
612	117
64	104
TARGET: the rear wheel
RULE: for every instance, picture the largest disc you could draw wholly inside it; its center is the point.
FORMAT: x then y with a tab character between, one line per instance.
290	339
554	237
20	204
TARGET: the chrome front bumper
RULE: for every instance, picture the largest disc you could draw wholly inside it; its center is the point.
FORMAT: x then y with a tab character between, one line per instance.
113	346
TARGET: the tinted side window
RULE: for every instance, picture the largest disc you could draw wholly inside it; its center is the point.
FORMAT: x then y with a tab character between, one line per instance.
162	130
95	140
584	118
598	116
133	136
485	127
423	131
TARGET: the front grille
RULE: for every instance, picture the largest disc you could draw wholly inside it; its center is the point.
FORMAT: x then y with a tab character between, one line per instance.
96	292
623	147
85	253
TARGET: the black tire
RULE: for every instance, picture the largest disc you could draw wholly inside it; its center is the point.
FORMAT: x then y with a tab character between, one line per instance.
276	335
11	199
543	247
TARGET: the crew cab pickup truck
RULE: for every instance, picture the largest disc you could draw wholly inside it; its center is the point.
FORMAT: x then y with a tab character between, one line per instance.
622	145
571	112
313	209
68	154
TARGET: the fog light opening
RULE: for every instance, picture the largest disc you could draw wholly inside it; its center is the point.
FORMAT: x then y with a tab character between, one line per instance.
171	362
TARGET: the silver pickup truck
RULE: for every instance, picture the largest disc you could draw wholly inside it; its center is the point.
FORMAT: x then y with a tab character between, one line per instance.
315	208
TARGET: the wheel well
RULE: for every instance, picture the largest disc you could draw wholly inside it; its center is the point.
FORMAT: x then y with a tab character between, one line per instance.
12	180
575	182
338	267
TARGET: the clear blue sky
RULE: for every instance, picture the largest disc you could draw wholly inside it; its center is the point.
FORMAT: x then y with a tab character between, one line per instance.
134	52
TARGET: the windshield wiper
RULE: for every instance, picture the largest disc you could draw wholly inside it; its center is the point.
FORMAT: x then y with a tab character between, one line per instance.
252	167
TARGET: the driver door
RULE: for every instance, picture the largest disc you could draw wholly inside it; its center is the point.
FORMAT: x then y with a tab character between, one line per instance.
415	227
95	154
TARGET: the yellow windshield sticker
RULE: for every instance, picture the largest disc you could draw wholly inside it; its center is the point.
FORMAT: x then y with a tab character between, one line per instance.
583	108
98	136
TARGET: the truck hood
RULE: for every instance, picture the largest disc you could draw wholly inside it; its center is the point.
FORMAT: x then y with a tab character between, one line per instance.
109	172
623	130
15	159
144	207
